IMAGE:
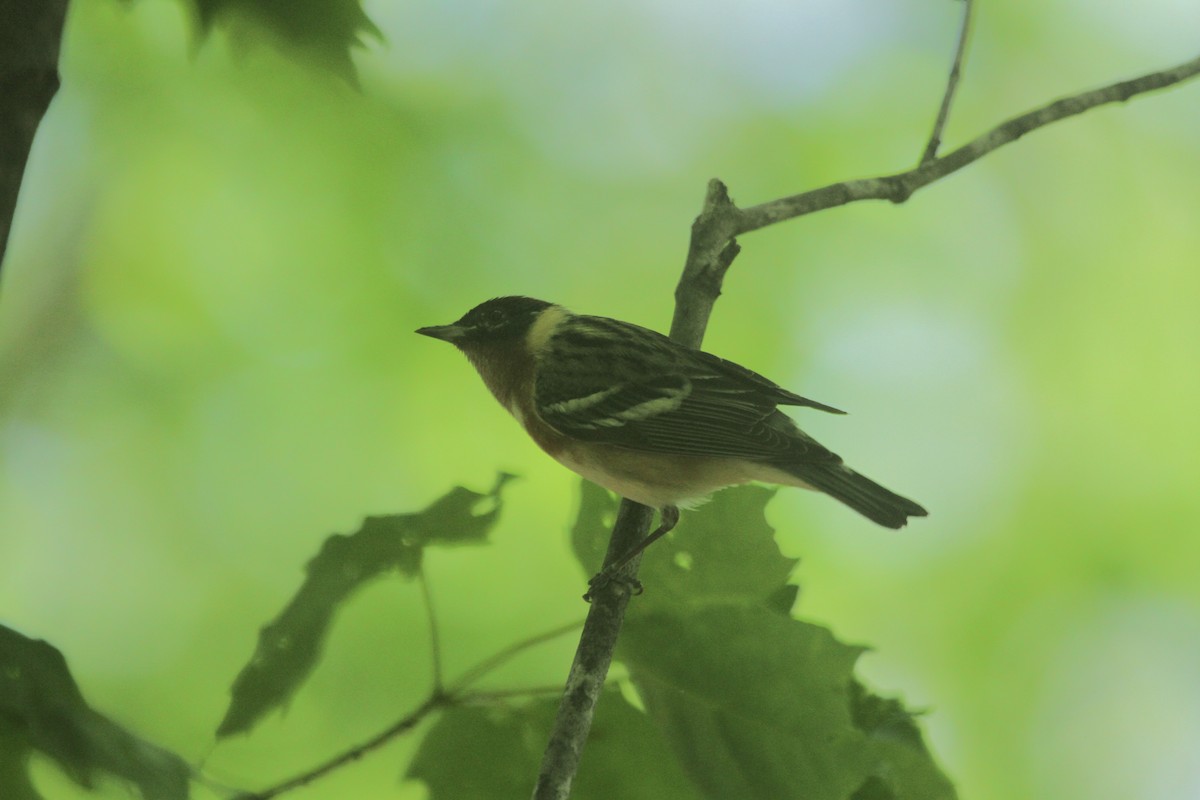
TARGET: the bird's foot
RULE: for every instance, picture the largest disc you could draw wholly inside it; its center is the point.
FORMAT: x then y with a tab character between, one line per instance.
609	577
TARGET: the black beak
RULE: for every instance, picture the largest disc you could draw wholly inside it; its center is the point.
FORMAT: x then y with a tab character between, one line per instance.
447	333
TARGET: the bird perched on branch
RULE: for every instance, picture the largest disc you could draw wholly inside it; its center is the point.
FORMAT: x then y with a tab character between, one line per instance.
650	419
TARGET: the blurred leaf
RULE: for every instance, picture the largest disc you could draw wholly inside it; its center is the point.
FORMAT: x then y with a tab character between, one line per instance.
15	751
42	709
625	757
289	645
896	741
755	704
319	31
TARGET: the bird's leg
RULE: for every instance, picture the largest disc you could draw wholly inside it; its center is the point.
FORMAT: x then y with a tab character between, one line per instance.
668	519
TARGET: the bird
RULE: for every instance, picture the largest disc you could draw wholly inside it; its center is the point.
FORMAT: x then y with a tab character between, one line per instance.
648	418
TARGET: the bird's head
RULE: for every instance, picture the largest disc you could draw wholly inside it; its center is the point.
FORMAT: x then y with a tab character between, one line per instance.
498	320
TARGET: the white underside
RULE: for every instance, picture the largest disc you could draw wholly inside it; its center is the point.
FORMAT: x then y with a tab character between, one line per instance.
662	480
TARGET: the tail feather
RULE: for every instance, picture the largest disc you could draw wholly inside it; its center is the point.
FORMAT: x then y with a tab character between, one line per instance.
860	493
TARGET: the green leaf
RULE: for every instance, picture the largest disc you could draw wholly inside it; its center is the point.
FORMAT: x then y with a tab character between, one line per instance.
753	703
288	646
723	551
322	32
42	709
625	756
896	742
15	752
757	705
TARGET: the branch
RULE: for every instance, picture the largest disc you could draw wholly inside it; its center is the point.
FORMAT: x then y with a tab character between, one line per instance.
438	698
712	249
935	138
710	253
593	656
403	725
901	186
435	637
30	36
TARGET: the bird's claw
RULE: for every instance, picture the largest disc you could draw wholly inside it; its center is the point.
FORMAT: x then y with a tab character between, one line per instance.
603	579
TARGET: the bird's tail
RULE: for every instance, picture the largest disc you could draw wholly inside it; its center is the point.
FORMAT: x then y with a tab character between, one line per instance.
859	492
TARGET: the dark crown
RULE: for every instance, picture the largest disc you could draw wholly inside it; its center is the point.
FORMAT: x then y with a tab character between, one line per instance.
503	316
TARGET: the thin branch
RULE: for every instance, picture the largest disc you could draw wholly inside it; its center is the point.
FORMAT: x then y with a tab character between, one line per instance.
438	698
492	697
492	663
898	188
711	250
585	682
403	725
435	639
935	138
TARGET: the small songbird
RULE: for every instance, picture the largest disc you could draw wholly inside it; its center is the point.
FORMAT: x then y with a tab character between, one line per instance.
643	416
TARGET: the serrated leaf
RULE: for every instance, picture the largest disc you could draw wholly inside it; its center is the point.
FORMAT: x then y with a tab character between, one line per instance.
760	706
754	704
42	709
475	753
323	32
896	740
289	646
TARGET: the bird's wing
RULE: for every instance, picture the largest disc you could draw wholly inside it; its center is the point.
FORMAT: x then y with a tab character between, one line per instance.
662	397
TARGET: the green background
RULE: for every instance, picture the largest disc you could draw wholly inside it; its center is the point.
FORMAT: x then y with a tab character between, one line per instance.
207	362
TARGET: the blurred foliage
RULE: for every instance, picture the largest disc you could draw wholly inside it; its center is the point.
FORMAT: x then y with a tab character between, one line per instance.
289	646
321	32
42	710
755	704
207	359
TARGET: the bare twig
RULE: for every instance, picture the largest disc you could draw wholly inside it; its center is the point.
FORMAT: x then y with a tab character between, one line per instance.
491	663
30	37
712	249
403	725
499	695
898	188
435	638
438	698
710	252
935	138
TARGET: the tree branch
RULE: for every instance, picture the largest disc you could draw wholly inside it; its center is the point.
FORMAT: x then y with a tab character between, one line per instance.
710	253
30	37
593	656
438	698
939	124
712	249
435	636
900	187
403	725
